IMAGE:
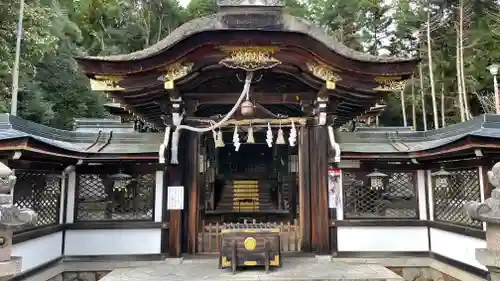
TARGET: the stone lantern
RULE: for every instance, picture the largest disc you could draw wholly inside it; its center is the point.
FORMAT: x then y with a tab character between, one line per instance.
377	180
10	217
489	212
121	181
442	180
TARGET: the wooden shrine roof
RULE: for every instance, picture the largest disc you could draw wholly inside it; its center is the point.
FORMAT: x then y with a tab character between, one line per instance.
482	132
305	51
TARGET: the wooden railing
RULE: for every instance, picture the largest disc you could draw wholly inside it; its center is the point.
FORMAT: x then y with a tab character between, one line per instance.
210	236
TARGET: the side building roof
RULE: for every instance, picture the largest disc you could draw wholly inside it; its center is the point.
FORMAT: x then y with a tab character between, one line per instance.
102	143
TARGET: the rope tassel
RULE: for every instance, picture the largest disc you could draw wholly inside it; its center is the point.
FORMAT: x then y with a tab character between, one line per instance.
250	138
335	146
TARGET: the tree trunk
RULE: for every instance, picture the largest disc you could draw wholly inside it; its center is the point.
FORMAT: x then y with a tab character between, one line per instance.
422	96
443	119
413	104
459	80
462	74
403	108
431	73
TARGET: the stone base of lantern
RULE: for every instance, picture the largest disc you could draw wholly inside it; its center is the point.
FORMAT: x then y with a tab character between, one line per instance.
490	259
9	268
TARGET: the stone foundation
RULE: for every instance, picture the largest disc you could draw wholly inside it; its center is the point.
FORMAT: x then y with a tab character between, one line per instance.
422	274
80	276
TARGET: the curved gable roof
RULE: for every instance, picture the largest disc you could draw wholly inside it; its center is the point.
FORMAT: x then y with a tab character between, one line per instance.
215	22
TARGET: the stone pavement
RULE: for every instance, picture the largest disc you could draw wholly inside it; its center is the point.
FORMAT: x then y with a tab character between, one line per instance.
295	269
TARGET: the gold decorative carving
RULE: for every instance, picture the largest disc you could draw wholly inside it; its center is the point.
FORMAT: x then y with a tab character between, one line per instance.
275	261
391	86
250	58
382	79
106	83
174	72
324	72
225	262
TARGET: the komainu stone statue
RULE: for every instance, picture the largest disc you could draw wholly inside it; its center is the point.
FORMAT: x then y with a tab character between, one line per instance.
10	218
489	212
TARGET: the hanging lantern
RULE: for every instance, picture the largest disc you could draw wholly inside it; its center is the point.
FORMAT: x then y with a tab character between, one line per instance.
441	179
377	180
120	181
52	183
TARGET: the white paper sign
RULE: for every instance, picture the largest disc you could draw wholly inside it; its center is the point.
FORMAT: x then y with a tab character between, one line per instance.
334	195
175	198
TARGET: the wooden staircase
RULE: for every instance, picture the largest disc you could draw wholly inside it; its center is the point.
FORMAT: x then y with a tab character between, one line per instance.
245	196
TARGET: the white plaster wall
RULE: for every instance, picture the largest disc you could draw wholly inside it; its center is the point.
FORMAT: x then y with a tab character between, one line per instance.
38	251
456	246
382	239
112	242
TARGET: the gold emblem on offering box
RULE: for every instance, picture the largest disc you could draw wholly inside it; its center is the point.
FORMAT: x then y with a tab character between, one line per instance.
250	243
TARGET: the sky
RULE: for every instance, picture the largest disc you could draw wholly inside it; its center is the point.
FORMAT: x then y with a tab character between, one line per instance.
184	3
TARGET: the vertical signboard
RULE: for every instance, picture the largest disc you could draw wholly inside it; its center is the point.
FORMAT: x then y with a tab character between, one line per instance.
175	198
334	188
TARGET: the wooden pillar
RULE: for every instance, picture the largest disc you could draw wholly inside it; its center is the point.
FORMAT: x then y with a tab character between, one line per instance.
174	216
193	189
318	153
304	190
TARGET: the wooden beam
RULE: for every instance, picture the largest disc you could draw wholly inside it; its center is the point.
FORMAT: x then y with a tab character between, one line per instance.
319	190
174	216
263	98
193	189
304	190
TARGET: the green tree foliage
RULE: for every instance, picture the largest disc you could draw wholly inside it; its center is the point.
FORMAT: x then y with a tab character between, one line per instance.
53	90
37	41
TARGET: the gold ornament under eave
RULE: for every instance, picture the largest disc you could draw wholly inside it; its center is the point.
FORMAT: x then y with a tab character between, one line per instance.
250	58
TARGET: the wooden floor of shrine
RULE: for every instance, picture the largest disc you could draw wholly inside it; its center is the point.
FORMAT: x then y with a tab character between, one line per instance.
294	268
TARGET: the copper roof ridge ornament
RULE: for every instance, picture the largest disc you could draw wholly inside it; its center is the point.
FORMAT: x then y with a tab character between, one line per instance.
250	58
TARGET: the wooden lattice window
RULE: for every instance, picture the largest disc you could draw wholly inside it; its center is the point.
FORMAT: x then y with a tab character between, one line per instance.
41	192
98	200
397	200
448	202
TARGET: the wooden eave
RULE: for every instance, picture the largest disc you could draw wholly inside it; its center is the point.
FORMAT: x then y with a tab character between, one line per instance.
146	96
34	149
199	41
212	30
462	148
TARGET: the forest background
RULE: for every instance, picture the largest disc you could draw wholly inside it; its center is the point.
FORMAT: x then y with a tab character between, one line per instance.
456	40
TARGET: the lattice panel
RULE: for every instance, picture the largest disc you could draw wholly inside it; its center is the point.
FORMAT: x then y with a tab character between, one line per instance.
448	202
41	192
397	200
99	199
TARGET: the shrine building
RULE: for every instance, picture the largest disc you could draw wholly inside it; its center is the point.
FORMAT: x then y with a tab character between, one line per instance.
248	115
